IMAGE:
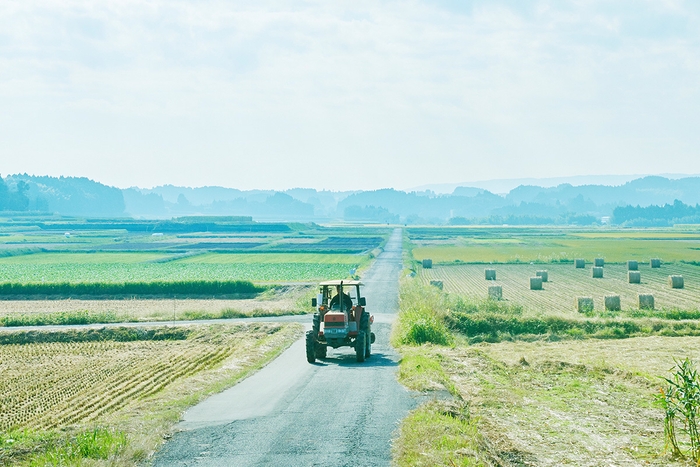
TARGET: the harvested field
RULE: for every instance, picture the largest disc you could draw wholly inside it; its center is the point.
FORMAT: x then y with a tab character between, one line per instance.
583	403
79	381
566	282
278	301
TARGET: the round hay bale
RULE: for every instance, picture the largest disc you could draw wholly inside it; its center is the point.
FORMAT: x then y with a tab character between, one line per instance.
535	283
597	272
495	292
580	263
655	263
599	262
612	303
676	282
584	304
646	301
437	284
634	277
427	264
632	265
544	275
490	274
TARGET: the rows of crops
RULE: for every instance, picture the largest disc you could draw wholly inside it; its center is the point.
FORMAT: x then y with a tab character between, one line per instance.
76	382
566	283
140	272
159	288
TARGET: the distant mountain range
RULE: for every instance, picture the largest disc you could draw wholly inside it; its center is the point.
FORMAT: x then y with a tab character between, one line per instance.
527	203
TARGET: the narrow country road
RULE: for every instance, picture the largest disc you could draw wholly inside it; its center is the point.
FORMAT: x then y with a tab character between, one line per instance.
334	413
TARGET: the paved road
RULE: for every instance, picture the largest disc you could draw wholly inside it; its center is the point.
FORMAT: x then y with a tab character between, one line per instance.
334	413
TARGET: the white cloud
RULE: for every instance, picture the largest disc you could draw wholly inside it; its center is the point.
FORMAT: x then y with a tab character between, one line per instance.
269	94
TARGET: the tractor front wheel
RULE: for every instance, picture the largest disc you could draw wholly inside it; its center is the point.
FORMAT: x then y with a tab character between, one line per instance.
360	346
321	351
310	347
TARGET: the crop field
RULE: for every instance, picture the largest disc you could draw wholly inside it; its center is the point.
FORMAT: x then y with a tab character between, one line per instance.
57	380
566	283
116	256
82	267
524	245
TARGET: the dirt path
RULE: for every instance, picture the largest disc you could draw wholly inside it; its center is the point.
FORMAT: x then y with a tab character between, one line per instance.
337	412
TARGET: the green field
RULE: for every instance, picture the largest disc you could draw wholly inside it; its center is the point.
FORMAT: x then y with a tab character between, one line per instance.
45	259
274	258
144	272
553	245
303	253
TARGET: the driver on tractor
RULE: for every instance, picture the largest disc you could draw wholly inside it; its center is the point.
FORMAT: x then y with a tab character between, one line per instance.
335	301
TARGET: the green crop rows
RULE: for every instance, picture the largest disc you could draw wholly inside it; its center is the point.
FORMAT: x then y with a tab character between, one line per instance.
105	272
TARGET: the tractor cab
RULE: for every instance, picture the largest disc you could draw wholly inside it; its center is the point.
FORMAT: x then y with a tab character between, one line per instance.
340	320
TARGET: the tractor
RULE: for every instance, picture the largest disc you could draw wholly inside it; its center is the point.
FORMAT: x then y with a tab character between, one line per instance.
340	321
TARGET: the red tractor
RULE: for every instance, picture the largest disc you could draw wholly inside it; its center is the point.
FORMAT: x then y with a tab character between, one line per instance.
340	321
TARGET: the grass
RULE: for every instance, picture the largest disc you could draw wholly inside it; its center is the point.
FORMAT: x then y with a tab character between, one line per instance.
82	317
525	245
536	390
439	434
275	301
561	403
118	382
429	315
422	317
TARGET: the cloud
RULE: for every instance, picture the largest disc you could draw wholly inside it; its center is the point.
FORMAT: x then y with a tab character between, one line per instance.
272	94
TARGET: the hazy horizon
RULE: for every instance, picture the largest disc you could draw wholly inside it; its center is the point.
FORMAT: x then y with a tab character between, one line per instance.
347	96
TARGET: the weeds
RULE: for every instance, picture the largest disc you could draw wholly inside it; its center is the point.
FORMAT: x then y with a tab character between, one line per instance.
106	317
56	449
680	401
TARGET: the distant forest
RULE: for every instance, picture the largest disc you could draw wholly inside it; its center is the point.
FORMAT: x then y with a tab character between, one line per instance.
648	201
666	215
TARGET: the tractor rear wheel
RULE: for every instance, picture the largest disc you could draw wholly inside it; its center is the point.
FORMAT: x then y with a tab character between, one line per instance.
321	350
310	347
368	347
360	346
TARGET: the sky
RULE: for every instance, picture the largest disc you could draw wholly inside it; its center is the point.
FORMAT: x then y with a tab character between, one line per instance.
347	95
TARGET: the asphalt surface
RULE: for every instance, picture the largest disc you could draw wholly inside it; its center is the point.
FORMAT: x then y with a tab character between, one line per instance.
334	413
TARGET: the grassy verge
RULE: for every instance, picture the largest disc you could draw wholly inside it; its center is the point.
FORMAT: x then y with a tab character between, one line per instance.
139	425
491	327
519	390
90	317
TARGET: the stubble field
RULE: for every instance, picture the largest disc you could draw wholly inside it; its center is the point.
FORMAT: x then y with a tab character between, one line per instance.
566	283
135	380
